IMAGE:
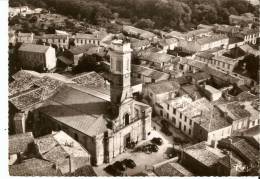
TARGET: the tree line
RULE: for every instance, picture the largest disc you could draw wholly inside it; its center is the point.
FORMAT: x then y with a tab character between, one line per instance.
160	14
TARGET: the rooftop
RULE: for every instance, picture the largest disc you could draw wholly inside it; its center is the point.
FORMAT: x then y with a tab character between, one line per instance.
210	39
18	143
81	49
200	76
246	96
33	167
34	48
154	57
92	80
213	122
197	107
142	33
58	146
164	87
79	109
154	74
180	102
204	154
172	169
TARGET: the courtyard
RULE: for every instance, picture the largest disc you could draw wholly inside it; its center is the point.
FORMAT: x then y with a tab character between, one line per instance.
144	161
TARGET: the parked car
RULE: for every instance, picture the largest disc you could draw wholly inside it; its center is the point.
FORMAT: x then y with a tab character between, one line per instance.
149	148
112	170
166	131
119	165
129	163
157	141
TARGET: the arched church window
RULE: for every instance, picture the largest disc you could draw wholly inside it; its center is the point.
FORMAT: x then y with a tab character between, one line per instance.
126	119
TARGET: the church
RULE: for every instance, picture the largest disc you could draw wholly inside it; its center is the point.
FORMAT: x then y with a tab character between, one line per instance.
103	124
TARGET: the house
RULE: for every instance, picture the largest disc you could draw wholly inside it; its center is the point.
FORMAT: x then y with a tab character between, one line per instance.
199	77
211	128
61	41
204	160
25	37
34	167
158	92
138	33
238	115
171	168
148	75
138	45
168	44
19	145
250	36
62	150
95	38
159	61
246	18
27	92
248	153
205	43
78	52
169	108
102	124
211	93
37	57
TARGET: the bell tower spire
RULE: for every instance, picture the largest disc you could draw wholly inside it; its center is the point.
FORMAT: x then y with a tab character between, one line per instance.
120	68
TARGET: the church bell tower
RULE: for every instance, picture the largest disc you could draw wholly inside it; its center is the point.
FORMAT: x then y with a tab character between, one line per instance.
120	68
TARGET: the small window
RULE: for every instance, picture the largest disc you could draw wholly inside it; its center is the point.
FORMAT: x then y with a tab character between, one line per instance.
127	119
184	128
180	115
185	118
151	94
189	131
161	112
190	122
167	115
153	80
174	111
173	120
168	106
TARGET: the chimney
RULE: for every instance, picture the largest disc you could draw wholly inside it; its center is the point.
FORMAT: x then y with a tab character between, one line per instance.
230	140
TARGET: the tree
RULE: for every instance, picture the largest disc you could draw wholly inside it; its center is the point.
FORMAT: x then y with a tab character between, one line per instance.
144	24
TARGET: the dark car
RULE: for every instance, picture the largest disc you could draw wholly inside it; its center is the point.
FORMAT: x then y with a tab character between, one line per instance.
149	148
113	171
119	165
157	141
129	163
166	131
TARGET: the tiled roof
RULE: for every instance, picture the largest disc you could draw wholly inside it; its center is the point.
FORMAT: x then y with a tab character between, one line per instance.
133	30
211	39
154	74
81	49
200	76
140	43
154	57
84	171
28	99
34	48
196	107
164	87
247	150
248	49
24	80
92	80
77	109
204	154
170	41
33	167
246	96
212	123
172	169
18	143
180	102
